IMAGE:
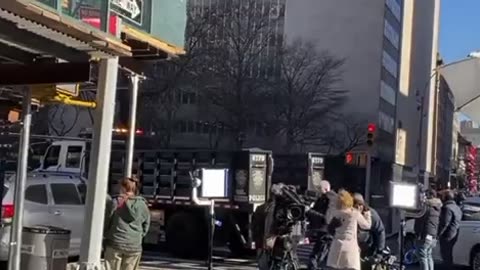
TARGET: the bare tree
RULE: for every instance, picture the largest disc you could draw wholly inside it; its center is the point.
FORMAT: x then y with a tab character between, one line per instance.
346	134
57	119
168	80
232	69
306	96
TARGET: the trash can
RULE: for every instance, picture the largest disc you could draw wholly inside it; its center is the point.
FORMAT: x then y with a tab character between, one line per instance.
45	248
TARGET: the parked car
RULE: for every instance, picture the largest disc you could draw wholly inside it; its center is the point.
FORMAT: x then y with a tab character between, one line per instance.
51	199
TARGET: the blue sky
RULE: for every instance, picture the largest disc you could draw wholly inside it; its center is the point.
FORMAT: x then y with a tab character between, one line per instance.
459	26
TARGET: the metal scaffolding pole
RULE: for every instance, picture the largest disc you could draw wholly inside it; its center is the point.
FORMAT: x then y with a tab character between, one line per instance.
16	235
91	248
134	81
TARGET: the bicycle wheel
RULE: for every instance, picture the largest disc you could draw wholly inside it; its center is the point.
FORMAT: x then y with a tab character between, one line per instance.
410	257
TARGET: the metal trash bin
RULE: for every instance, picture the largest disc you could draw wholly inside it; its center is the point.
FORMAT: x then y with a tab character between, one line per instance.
45	248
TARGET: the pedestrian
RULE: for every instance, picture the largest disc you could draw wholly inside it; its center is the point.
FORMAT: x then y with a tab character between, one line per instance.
450	218
126	223
371	241
344	251
318	222
258	231
426	229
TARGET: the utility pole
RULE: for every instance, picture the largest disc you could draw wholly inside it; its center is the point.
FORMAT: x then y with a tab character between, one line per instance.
20	183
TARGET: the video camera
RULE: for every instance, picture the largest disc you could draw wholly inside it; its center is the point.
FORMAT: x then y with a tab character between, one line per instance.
290	207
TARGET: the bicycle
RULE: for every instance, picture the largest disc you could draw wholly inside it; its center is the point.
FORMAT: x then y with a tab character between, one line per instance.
383	261
410	256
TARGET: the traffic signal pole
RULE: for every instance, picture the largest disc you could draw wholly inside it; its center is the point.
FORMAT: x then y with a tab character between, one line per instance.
368	174
91	247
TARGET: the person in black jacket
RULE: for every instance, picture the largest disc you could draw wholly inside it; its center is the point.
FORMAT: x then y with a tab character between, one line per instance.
319	225
426	229
450	218
372	241
259	220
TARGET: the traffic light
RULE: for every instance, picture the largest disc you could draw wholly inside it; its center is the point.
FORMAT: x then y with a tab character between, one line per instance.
372	128
349	158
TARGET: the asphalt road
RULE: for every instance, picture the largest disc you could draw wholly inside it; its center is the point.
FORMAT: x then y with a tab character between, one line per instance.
163	261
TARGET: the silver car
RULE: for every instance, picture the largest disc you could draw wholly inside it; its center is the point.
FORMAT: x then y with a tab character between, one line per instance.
51	199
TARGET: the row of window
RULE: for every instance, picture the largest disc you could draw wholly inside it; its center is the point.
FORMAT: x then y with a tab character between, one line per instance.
388	93
199	127
391	34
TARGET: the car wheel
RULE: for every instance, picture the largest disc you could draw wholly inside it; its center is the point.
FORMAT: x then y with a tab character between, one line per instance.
476	260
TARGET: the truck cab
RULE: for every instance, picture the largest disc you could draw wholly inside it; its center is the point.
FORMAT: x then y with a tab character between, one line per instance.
65	156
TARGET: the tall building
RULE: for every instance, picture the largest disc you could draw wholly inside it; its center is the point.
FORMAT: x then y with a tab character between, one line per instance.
367	35
444	112
417	87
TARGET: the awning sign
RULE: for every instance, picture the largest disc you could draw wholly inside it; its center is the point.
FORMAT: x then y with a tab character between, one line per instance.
131	10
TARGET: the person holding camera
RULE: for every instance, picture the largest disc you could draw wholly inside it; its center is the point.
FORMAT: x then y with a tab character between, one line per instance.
426	229
344	250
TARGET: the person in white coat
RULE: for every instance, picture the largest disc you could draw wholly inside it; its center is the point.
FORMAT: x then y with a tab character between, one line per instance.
344	251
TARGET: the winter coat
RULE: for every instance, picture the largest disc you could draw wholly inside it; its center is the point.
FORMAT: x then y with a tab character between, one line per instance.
344	250
375	237
127	222
428	223
318	217
450	218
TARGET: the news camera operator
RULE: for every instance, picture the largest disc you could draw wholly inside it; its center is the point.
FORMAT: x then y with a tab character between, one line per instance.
283	217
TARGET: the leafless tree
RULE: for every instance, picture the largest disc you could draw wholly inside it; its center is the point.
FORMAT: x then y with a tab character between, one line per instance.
57	119
231	71
306	96
168	79
346	134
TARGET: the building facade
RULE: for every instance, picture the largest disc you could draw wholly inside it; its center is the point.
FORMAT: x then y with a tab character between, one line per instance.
445	107
416	96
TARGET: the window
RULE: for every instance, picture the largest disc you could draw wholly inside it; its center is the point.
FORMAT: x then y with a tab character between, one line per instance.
391	34
390	64
36	194
395	8
51	158
82	190
387	93
386	122
74	156
65	194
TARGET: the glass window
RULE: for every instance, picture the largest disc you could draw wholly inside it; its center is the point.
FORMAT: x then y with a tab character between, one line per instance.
390	64
74	156
395	8
65	194
82	190
386	122
391	34
51	158
387	93
36	194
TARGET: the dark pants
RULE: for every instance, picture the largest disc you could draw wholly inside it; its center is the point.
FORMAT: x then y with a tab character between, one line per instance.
446	249
320	250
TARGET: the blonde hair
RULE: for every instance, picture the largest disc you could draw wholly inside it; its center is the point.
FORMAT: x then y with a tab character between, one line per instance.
129	184
345	199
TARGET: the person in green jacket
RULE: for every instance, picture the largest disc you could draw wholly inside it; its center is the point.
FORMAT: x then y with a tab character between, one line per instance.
126	223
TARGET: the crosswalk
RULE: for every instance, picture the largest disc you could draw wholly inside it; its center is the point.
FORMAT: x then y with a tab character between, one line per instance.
163	261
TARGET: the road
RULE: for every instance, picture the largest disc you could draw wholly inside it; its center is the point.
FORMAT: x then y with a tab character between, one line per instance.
163	261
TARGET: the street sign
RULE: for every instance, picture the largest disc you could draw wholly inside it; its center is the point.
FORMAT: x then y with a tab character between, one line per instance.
131	10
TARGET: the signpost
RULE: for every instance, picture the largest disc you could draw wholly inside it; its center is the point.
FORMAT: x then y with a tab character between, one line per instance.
131	10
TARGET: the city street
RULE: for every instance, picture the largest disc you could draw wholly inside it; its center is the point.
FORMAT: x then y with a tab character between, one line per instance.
163	261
